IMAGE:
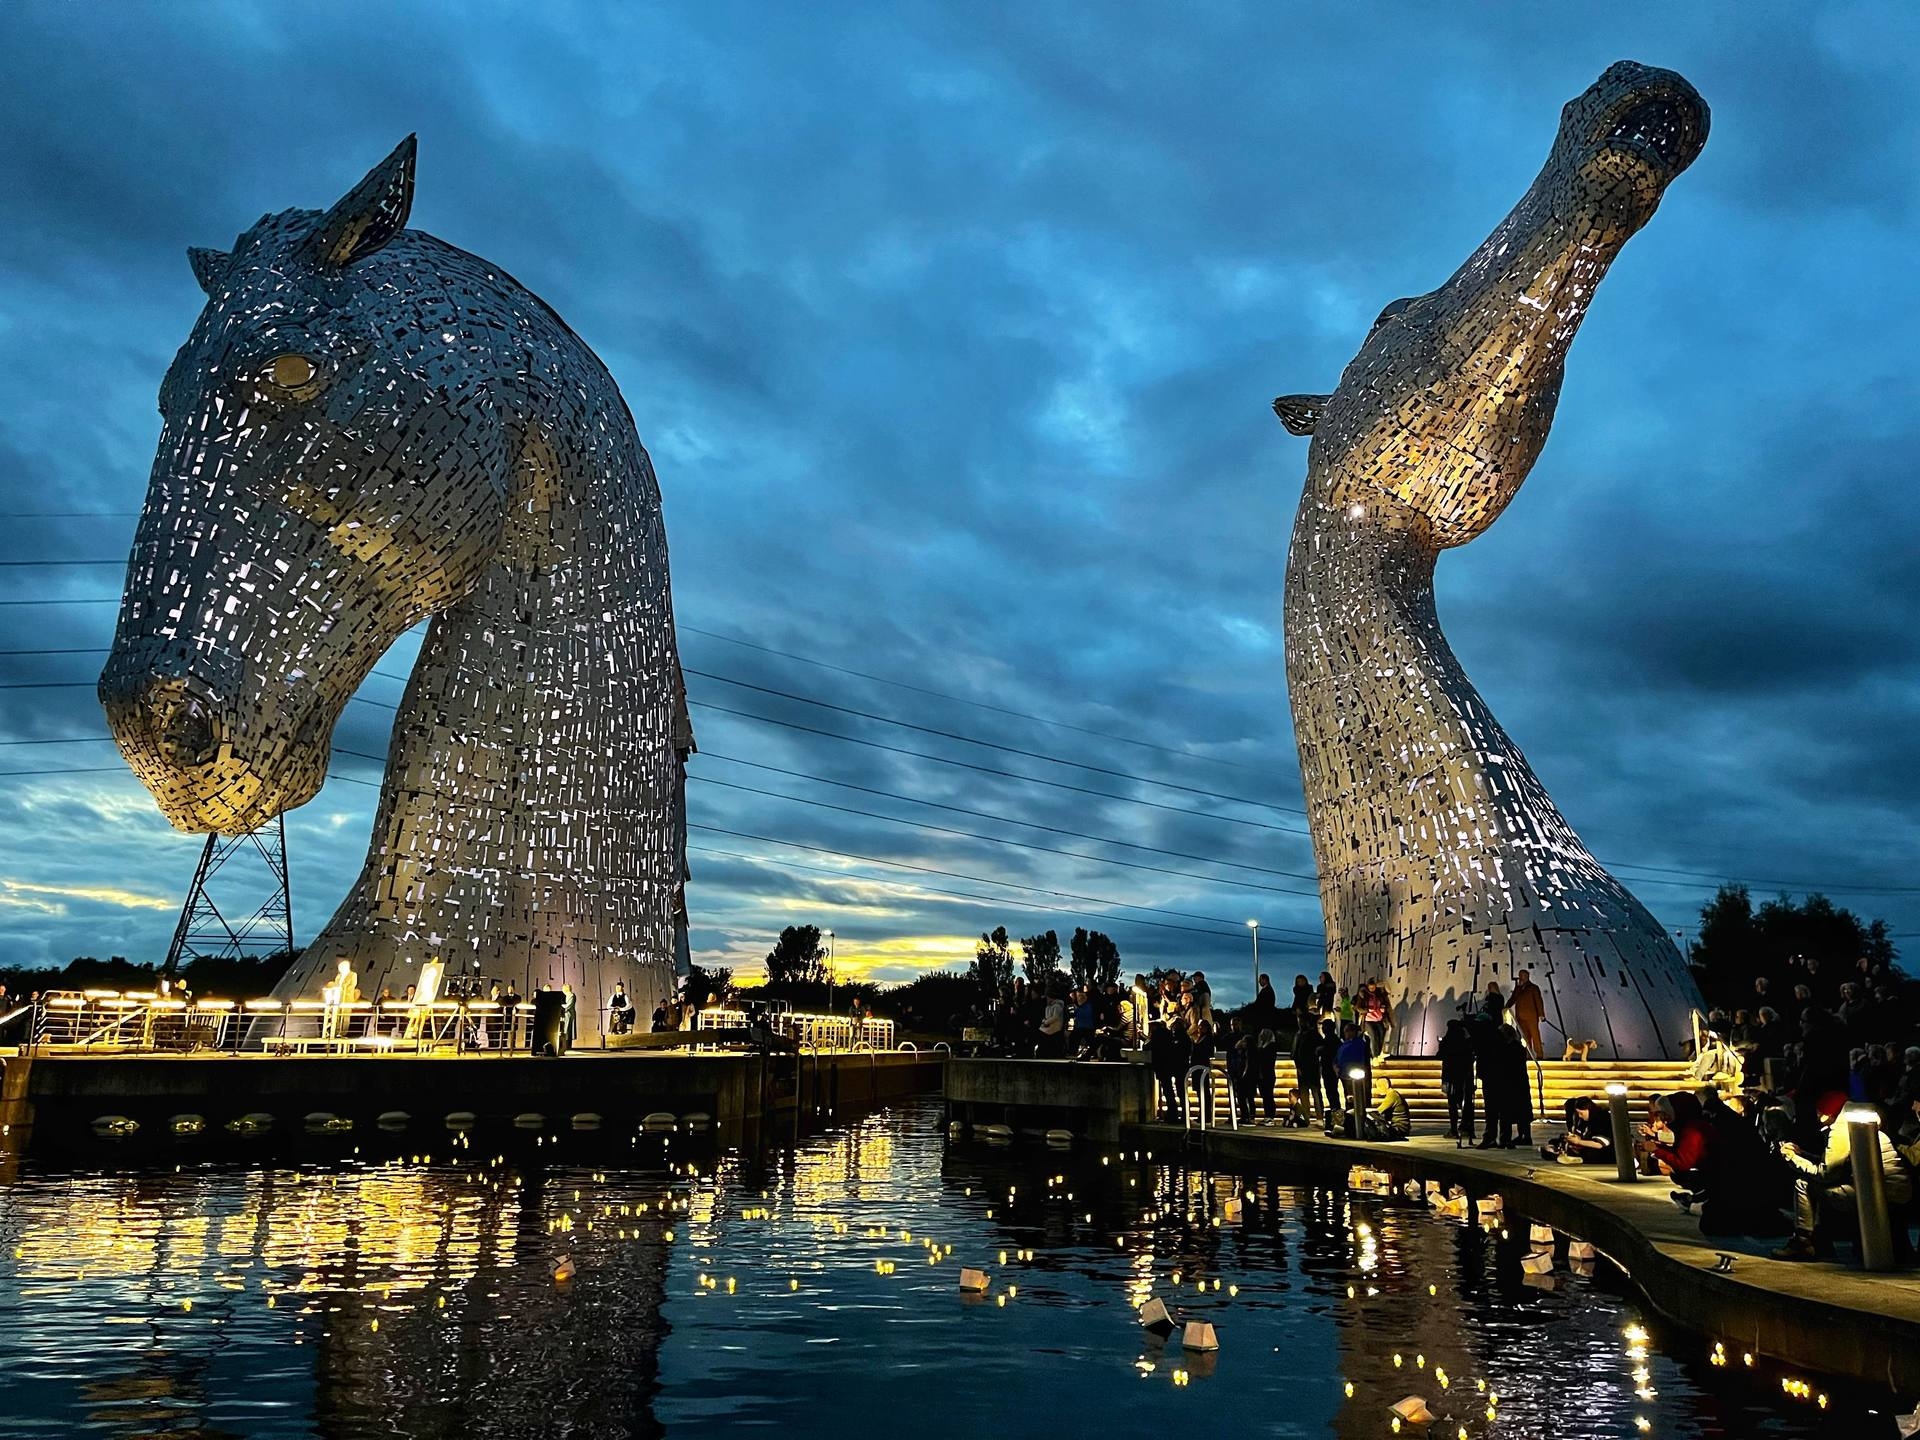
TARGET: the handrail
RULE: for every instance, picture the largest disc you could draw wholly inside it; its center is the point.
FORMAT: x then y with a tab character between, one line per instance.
1188	1090
1206	1098
905	1047
939	1045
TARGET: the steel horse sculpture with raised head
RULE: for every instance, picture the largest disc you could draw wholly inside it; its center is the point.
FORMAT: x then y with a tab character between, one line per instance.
1443	863
368	427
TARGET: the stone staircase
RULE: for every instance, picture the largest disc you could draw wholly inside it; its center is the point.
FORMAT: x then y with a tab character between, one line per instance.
1557	1080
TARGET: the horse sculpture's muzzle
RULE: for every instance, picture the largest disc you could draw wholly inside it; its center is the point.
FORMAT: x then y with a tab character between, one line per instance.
169	718
180	733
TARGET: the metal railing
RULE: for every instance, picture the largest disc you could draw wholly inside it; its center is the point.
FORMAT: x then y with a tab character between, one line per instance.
817	1032
100	1021
1189	1089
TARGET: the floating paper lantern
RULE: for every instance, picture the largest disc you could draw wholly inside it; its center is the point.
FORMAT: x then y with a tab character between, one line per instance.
1413	1410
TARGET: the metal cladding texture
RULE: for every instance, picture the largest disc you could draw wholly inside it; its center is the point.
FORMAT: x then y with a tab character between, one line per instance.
368	427
1443	863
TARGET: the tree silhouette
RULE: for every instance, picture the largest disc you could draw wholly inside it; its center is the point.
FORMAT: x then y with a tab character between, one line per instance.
797	956
993	961
1040	957
1096	959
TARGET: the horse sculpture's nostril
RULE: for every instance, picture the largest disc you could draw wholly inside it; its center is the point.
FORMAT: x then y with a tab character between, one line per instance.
186	734
180	725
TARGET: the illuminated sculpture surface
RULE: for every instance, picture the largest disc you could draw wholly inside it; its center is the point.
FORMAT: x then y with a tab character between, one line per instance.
368	427
1443	863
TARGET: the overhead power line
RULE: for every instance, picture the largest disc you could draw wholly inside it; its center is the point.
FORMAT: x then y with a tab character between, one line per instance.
1833	888
1006	819
961	699
989	770
998	840
992	744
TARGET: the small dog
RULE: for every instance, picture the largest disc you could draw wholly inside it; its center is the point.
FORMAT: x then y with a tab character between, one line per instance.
1581	1050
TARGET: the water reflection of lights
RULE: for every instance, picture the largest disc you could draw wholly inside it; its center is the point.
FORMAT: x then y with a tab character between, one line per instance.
861	1223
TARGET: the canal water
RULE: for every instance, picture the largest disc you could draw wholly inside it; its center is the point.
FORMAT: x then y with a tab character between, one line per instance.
419	1286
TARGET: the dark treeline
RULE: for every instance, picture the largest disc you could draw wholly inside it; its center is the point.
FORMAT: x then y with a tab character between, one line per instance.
230	979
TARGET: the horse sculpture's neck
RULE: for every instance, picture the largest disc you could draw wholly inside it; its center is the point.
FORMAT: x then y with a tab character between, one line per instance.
531	824
1443	863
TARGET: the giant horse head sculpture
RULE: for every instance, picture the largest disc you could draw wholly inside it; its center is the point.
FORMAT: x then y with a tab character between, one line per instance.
333	467
368	427
1442	861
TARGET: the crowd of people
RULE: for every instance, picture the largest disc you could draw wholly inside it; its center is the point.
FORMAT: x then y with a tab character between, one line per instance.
1056	1018
1763	1146
1755	1145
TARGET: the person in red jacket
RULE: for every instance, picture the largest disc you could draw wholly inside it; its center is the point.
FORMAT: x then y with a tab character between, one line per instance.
1679	1138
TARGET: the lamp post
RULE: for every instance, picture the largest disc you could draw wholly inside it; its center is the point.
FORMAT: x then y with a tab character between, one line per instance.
1623	1158
1869	1186
829	972
1253	929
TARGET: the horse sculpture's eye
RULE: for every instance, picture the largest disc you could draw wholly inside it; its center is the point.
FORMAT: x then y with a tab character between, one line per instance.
290	372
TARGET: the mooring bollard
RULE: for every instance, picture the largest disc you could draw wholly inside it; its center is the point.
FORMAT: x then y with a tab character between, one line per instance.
1623	1157
1869	1187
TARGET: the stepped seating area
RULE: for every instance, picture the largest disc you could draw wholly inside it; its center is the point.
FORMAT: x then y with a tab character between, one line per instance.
1554	1081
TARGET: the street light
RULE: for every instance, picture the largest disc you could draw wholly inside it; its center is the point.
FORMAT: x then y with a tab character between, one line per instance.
829	972
1253	928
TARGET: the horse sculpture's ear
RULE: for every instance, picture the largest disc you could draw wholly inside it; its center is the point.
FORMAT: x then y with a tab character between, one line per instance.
370	214
1300	413
209	266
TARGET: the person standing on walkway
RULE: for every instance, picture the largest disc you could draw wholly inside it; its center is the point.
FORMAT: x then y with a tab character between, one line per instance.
1493	1004
1306	1048
1141	1017
1456	1079
1327	994
1373	1013
1306	1055
1496	1097
1053	1027
1202	997
1329	1060
1528	1007
1263	1045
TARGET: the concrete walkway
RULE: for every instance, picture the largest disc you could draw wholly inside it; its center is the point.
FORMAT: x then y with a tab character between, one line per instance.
1825	1316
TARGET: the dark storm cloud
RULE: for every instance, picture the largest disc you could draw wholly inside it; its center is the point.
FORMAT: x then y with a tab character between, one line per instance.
951	330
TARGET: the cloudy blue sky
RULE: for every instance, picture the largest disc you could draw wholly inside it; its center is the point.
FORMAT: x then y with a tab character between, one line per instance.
952	329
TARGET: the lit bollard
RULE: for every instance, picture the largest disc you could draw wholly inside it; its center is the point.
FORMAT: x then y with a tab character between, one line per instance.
1623	1158
1869	1186
1360	1099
